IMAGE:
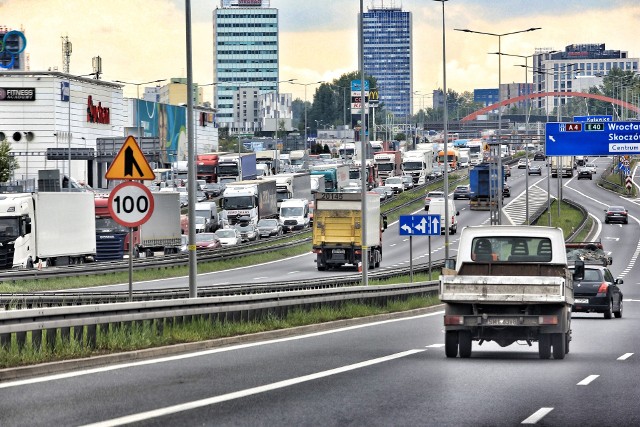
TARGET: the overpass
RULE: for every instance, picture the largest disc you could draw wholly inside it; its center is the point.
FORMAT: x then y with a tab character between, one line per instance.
520	98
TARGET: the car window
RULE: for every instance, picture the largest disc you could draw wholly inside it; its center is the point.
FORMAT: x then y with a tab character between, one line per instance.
608	277
592	275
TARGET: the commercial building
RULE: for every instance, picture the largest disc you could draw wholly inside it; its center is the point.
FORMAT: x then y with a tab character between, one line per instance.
245	52
559	70
388	57
55	120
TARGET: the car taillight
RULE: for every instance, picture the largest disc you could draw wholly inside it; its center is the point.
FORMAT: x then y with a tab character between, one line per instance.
603	288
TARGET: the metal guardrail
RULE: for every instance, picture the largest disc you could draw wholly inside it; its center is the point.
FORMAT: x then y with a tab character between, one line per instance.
88	321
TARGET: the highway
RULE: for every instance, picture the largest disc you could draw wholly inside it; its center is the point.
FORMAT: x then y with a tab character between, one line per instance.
390	372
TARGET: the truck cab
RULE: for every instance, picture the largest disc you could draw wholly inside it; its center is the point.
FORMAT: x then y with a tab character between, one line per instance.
294	214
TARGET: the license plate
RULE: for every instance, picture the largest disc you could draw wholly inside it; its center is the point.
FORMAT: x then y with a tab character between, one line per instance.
502	322
582	300
338	251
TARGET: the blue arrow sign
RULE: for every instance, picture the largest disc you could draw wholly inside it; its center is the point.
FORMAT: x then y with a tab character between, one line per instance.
592	118
592	138
419	225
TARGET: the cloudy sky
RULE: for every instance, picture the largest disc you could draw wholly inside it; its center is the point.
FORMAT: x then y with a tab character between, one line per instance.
142	40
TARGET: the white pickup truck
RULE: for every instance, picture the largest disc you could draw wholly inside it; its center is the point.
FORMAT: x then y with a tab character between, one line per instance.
509	283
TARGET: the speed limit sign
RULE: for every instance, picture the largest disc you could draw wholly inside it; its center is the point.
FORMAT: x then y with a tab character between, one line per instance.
131	204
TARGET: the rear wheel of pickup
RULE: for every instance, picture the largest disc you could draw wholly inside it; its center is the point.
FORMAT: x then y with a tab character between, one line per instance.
451	343
464	342
558	341
544	346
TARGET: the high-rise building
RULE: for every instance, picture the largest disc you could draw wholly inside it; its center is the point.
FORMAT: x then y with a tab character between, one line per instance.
559	71
387	57
14	42
245	52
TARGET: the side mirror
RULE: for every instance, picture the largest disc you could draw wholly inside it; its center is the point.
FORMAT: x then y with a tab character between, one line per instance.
450	264
578	272
610	260
619	281
384	222
27	226
457	213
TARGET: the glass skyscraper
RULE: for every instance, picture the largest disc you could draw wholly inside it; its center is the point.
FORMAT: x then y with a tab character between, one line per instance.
387	57
245	54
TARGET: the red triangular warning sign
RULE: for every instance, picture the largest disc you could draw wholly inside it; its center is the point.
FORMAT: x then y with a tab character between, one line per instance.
130	163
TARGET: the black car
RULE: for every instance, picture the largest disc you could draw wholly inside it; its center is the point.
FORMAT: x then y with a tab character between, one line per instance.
213	189
584	173
535	170
616	214
539	156
462	192
598	292
506	191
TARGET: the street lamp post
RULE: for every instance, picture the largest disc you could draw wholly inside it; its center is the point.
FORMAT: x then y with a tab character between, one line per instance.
305	105
496	217
526	127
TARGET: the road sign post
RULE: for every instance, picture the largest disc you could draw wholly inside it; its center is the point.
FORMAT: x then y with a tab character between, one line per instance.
419	225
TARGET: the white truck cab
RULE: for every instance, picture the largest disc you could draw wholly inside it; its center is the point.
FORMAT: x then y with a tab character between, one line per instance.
294	214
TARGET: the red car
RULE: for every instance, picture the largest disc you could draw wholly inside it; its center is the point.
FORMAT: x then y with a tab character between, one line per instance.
207	241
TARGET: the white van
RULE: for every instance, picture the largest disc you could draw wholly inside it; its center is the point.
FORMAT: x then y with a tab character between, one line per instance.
294	214
436	207
209	211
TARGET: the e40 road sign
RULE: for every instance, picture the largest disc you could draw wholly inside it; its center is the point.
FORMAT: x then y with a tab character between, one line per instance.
130	163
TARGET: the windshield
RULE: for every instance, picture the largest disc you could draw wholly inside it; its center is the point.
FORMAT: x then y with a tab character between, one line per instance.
228	169
394	181
386	167
291	211
9	227
226	233
239	202
101	224
268	223
206	169
354	174
412	166
205	237
511	249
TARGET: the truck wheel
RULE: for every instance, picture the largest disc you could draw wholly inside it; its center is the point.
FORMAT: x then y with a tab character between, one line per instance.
451	343
320	263
567	339
544	346
464	342
609	311
29	265
558	341
379	259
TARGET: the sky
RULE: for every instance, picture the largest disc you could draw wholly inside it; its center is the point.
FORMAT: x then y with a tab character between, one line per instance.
143	40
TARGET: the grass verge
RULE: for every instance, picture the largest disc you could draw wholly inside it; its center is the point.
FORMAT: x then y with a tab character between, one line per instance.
138	336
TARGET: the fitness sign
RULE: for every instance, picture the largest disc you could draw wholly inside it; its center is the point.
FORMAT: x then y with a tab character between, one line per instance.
9	47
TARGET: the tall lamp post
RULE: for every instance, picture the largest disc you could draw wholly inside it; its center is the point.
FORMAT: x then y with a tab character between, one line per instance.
445	128
496	217
305	106
137	85
526	126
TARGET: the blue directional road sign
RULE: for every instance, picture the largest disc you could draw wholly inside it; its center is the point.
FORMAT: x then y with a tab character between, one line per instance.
419	225
592	138
592	118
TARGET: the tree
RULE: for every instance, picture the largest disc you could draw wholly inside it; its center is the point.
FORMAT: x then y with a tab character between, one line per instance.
8	163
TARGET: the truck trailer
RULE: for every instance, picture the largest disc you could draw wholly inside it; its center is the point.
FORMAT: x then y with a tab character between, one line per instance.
338	232
295	185
481	187
336	176
160	233
46	229
564	163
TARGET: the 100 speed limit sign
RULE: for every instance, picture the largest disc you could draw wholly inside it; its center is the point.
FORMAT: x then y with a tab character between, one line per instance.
131	204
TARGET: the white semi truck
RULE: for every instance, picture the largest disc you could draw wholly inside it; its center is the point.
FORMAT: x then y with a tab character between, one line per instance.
47	229
418	164
249	201
295	185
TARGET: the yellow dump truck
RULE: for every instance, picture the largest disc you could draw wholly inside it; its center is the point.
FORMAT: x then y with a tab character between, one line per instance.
337	229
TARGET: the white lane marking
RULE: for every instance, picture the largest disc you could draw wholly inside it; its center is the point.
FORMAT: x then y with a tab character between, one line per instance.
260	278
588	380
625	356
392	245
435	346
537	416
223	283
205	352
293	272
143	416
